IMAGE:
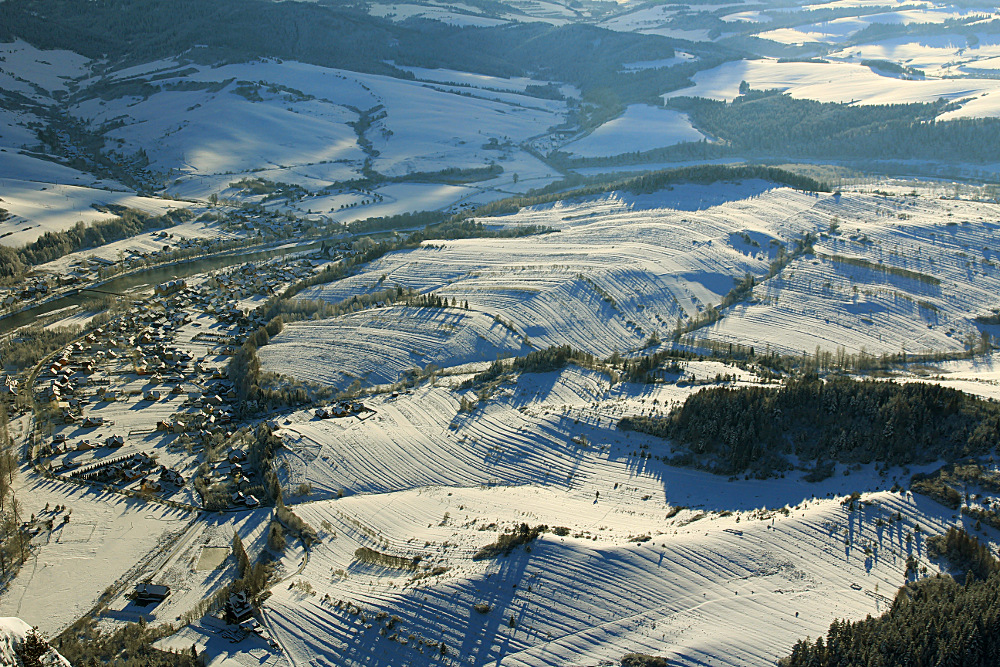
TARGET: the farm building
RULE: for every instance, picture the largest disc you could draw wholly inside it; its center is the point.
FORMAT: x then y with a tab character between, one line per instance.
146	593
238	608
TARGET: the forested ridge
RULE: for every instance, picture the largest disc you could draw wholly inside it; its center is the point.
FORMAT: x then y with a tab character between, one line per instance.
343	36
770	121
732	430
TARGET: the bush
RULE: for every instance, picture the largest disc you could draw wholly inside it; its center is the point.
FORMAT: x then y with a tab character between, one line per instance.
32	649
643	660
276	537
507	542
372	557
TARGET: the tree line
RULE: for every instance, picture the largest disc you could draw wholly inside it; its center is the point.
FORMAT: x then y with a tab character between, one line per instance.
651	182
14	262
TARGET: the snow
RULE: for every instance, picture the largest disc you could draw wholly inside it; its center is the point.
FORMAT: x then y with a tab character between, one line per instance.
937	55
22	65
679	58
377	346
840	29
817	301
147	242
438	471
22	167
842	83
749	16
642	19
403	11
106	536
979	376
655	257
180	568
484	81
306	138
622	267
223	132
416	487
640	128
37	208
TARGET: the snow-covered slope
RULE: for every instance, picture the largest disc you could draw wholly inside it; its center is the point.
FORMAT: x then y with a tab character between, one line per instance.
697	588
908	271
377	346
843	82
646	557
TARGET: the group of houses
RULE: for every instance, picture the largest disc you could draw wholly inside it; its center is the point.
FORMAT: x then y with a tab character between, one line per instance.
340	409
144	342
232	472
30	290
254	279
139	467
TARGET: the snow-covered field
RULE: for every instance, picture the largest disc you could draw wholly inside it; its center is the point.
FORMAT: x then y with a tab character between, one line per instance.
620	268
936	55
822	301
638	556
444	14
199	563
595	594
378	346
37	74
106	536
36	208
837	30
294	118
640	128
845	83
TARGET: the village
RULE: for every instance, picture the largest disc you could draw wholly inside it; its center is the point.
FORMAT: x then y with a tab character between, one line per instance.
140	409
143	404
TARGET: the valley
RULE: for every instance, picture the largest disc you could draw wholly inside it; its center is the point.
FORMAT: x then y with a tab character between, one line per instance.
432	333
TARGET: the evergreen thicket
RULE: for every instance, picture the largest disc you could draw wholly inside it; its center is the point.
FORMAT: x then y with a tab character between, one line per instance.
770	122
933	621
732	430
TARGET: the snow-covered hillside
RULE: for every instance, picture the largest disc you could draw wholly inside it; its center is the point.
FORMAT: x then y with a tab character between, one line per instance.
640	556
907	271
415	488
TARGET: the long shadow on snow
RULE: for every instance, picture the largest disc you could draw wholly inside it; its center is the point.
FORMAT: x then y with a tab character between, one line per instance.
689	487
542	386
484	639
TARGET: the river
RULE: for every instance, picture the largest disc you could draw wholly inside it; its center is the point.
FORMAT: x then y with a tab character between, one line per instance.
151	276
